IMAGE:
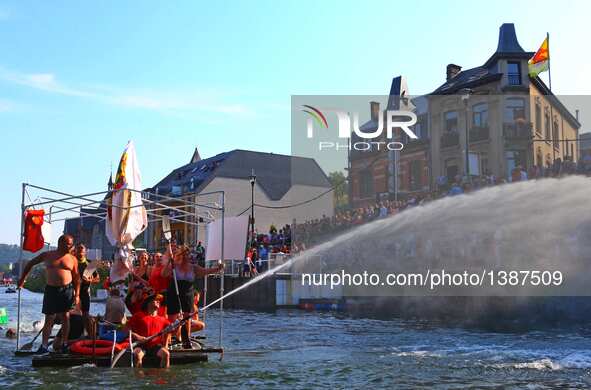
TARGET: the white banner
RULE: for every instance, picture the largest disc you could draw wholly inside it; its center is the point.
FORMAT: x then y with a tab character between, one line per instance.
126	214
235	230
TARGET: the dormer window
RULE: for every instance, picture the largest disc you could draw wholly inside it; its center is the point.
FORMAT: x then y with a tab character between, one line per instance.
514	72
451	121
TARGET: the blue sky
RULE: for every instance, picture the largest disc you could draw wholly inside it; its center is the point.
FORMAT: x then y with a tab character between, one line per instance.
77	80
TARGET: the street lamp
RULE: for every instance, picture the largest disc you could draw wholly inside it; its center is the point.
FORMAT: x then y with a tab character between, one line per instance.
466	92
253	179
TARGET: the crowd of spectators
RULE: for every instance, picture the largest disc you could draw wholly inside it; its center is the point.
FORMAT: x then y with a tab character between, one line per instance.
318	230
262	245
315	231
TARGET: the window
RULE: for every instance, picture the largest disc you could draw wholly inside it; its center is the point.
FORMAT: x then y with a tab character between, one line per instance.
538	119
421	128
474	164
451	169
547	133
513	159
555	133
365	184
514	110
415	175
484	164
179	236
514	73
451	121
480	115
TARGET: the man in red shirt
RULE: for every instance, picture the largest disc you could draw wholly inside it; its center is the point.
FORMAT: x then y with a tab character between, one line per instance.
146	323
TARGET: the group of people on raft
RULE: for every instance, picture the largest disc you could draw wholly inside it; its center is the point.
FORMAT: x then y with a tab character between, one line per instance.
151	299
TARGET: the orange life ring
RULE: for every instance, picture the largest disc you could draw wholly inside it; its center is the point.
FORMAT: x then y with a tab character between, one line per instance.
102	347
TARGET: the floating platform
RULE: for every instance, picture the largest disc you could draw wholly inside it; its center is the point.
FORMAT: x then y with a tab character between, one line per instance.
177	357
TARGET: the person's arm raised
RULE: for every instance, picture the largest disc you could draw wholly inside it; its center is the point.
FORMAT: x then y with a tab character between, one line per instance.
30	264
201	271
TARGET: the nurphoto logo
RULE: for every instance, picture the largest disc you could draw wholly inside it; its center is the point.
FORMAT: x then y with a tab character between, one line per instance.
394	119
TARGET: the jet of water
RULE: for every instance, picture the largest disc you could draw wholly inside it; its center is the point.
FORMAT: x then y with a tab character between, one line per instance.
532	225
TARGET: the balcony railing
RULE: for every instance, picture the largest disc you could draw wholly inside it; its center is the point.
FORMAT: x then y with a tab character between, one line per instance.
514	78
450	138
517	130
479	134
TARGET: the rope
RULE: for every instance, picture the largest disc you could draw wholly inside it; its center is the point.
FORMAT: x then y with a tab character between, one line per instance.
292	205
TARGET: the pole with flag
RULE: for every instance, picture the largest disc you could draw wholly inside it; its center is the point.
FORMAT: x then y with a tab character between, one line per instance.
539	63
126	214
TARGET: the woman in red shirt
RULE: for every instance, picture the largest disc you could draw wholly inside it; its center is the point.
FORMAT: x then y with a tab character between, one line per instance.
158	281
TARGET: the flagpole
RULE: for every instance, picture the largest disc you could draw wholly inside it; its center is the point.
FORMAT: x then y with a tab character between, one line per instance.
549	71
551	105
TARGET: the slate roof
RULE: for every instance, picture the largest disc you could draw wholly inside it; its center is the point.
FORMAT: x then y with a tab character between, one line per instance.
467	79
275	173
508	40
507	47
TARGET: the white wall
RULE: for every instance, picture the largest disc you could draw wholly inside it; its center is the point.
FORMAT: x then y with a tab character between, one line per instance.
238	198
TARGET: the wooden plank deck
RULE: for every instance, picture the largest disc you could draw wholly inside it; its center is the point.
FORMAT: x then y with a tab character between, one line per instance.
177	357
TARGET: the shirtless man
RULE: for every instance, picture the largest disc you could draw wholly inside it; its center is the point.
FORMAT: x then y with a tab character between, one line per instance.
62	290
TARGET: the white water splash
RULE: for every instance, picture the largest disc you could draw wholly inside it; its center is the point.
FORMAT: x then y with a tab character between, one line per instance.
534	224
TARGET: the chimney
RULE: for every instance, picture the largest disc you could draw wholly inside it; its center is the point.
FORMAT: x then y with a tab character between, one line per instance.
577	115
452	71
374	111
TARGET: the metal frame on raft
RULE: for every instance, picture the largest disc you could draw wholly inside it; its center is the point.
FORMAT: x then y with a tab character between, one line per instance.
70	203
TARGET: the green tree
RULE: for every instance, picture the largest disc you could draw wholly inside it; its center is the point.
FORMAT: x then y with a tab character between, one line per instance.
341	189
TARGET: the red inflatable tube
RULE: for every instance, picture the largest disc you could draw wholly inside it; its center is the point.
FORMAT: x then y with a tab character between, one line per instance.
102	347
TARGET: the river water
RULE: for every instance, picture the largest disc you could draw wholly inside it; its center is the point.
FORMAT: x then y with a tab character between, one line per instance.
298	349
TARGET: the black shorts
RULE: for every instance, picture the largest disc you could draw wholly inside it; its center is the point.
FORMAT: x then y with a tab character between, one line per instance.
152	351
58	299
186	294
85	298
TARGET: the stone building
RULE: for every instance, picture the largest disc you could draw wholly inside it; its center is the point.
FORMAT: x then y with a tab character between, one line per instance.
377	173
508	118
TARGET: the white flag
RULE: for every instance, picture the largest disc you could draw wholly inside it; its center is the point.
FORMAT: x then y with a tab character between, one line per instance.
126	214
